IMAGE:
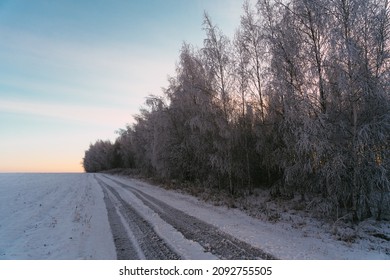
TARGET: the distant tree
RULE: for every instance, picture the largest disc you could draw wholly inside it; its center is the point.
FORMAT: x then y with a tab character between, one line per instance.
100	156
125	148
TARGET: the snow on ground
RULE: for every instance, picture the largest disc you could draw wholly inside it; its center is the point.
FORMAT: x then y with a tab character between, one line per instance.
281	239
53	216
187	249
63	216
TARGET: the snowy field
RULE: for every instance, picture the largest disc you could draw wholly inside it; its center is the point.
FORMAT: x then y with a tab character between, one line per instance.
53	216
64	216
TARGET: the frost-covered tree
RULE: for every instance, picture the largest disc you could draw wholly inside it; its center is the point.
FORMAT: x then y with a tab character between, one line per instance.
359	57
252	42
243	127
217	59
298	99
150	137
192	114
324	99
100	156
125	147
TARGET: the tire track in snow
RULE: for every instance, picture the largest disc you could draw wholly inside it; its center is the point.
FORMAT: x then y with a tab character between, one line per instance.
125	250
208	236
134	237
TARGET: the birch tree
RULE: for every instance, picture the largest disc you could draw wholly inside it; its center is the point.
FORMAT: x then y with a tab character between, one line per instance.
247	161
360	48
192	114
300	96
216	52
253	43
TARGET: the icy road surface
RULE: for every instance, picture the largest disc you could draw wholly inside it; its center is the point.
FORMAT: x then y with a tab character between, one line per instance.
96	216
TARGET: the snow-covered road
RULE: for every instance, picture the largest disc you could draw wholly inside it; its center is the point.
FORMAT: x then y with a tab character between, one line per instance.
150	240
96	216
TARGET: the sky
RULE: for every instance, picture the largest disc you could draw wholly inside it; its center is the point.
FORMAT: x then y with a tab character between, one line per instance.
75	71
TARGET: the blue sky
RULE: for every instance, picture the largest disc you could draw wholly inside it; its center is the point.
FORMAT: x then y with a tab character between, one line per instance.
74	71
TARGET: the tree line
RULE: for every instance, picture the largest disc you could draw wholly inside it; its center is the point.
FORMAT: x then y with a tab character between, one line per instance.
298	101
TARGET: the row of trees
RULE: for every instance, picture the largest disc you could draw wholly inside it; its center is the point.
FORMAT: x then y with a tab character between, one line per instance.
298	100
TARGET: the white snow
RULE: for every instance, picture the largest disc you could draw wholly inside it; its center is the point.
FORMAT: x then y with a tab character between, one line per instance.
187	249
280	239
63	216
53	216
